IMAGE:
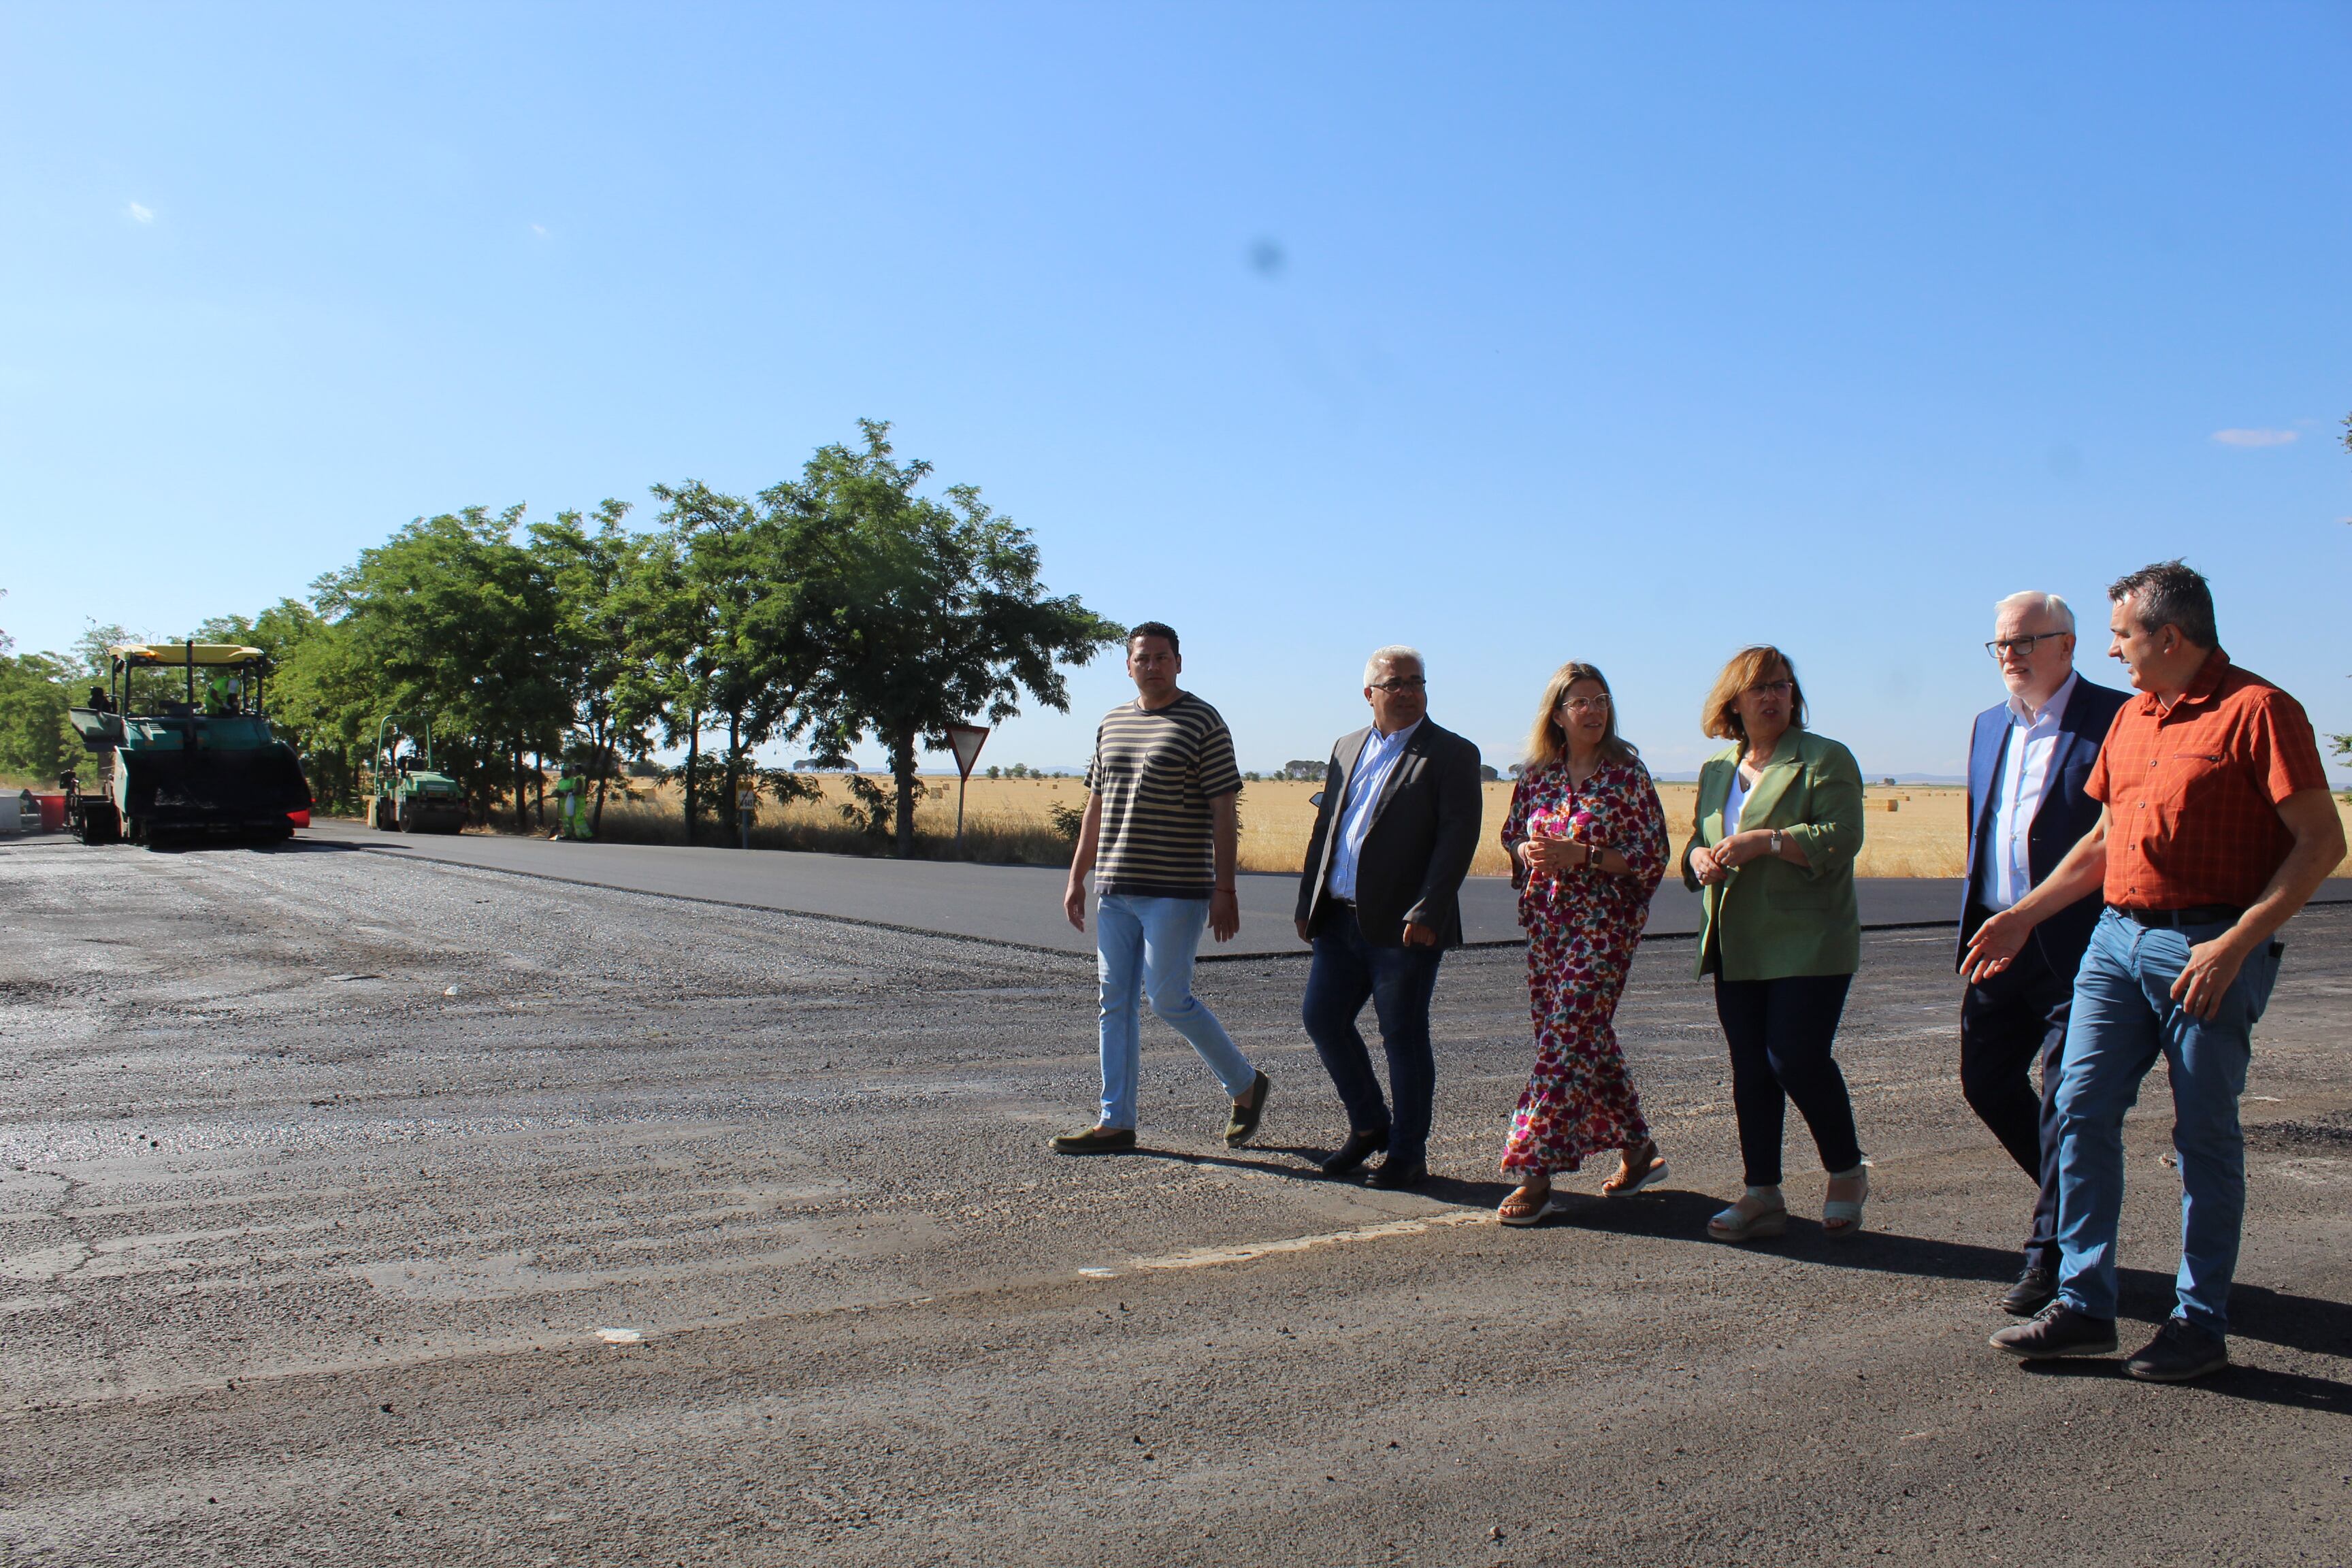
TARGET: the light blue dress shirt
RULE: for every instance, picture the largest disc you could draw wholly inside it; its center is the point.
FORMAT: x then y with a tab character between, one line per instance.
1372	769
2018	789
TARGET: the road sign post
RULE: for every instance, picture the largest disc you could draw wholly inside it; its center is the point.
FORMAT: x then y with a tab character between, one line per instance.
747	802
967	740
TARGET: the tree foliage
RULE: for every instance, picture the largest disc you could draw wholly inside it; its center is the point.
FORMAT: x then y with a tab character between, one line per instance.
833	606
907	614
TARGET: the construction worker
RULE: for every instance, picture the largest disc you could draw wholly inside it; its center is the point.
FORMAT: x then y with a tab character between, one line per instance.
570	804
220	696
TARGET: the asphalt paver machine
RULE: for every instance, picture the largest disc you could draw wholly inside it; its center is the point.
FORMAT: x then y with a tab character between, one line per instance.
183	750
405	793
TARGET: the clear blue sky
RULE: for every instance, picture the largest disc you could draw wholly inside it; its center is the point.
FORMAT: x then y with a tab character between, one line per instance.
1625	333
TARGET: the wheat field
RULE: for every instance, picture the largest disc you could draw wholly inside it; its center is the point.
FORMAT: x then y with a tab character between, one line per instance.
1911	831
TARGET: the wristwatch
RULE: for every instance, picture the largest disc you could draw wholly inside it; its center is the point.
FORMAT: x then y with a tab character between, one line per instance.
1776	841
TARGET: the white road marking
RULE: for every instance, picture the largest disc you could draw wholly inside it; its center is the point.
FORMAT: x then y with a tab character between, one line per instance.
1211	1256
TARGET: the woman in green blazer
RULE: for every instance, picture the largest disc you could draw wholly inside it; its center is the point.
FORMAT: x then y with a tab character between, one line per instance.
1778	826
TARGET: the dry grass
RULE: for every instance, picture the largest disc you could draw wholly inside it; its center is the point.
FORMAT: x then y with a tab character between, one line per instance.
1012	827
1008	820
1909	830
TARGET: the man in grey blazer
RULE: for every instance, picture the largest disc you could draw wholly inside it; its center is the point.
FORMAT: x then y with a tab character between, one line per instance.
1378	899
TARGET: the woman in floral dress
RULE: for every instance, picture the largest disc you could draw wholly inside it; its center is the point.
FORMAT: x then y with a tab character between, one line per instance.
1587	839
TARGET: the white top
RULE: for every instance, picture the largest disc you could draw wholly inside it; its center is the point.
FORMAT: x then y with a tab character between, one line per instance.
2017	792
1372	771
1735	803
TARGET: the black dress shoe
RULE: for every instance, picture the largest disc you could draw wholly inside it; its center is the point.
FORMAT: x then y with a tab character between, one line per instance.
1394	1175
2035	1289
2181	1351
1358	1148
2057	1330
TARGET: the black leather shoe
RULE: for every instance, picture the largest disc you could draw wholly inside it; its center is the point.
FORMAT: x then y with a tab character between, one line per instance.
2057	1330
1247	1112
1396	1175
2181	1351
2035	1289
1358	1148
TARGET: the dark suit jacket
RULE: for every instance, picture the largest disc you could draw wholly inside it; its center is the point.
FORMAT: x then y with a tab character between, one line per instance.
2064	816
1425	830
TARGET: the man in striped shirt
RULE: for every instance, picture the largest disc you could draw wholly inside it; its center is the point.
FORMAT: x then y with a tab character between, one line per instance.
1160	834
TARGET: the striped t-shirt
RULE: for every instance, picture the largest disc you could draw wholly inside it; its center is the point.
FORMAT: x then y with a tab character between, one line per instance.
1156	770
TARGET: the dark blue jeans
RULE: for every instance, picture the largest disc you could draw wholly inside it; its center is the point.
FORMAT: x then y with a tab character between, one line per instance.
1397	982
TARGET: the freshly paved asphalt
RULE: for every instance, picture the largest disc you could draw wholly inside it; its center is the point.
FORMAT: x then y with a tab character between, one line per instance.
363	1211
1019	905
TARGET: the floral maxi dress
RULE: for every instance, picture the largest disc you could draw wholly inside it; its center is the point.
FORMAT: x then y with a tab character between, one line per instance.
1582	927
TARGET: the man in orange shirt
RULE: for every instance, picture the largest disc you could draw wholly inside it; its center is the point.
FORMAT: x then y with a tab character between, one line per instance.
2217	826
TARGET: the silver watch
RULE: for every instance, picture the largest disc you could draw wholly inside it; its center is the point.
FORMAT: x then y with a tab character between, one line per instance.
1776	841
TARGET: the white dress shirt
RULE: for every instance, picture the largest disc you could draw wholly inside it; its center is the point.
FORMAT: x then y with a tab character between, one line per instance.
2017	791
1378	760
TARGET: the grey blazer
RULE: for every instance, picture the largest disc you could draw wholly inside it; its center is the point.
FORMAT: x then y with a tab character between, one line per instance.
1425	830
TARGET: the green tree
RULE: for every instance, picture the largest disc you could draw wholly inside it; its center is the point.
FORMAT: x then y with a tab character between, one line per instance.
727	639
593	571
452	622
35	690
909	614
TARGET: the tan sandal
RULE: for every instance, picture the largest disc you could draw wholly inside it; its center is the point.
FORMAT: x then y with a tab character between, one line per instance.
1622	1186
1518	1209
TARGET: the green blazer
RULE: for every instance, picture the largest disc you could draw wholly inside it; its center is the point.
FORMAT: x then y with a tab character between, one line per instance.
1772	918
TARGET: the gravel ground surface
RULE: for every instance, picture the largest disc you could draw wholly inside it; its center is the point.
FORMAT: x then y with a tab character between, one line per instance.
328	1182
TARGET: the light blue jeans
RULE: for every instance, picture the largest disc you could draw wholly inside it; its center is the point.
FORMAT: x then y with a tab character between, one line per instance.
2124	1019
1143	948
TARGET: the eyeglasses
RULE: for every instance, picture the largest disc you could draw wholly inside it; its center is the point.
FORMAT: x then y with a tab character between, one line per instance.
2022	647
1401	683
1772	688
1586	704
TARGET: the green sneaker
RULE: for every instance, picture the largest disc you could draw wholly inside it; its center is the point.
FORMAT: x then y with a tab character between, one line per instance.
1095	1141
1247	1112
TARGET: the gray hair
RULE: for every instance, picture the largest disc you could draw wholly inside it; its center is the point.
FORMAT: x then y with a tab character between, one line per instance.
2050	605
1389	656
2170	594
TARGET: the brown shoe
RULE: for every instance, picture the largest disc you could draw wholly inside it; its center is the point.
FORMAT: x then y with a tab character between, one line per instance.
1095	1141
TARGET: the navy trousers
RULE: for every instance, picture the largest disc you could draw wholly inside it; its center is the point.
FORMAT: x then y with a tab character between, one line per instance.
2007	1023
1398	982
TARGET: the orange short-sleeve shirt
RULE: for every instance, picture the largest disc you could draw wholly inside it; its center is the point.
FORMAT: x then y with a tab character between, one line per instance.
2192	791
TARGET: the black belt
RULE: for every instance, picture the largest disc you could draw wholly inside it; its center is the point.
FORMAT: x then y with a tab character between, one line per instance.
2195	915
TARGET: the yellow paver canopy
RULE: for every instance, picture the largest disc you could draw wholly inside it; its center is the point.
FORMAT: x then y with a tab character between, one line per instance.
183	654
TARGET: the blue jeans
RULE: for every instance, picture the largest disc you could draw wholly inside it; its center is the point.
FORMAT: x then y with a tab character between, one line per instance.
1143	948
1398	982
2124	1019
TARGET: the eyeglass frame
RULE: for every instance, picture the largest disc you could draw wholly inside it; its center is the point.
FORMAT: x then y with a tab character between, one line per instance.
1583	704
2030	640
1396	683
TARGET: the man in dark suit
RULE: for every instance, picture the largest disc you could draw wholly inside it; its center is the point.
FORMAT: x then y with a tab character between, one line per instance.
1379	898
2028	760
